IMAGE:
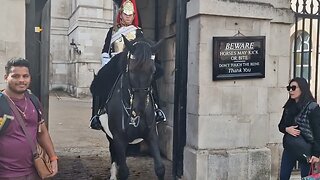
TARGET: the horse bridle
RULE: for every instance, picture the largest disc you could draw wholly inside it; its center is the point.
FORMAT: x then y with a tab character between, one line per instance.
134	118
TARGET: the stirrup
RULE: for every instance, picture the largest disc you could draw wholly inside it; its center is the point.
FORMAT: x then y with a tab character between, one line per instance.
160	116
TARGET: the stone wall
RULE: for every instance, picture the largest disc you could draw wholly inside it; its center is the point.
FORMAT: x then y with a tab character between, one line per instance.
167	23
232	124
59	44
85	22
12	32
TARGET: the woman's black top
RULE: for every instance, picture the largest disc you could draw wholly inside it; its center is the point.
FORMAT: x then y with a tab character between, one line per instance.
290	111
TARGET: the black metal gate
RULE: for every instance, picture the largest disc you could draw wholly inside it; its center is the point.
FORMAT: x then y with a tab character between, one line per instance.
180	88
38	47
305	38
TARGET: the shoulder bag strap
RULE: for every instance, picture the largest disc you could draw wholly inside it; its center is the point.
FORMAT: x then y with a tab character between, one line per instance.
35	101
23	126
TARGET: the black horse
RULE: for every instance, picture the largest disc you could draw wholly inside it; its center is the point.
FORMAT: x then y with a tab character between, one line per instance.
130	106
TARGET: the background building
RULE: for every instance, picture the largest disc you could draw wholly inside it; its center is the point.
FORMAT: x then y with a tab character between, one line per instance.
12	35
84	24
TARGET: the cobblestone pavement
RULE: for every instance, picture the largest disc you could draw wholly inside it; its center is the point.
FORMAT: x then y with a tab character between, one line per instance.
83	152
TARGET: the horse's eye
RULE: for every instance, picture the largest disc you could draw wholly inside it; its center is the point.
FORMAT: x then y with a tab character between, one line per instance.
132	57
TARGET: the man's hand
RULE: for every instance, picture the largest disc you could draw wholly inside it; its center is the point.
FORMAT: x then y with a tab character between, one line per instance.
105	58
293	130
54	166
313	159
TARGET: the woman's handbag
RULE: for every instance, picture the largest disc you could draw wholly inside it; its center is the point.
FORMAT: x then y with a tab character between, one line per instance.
313	174
41	159
297	146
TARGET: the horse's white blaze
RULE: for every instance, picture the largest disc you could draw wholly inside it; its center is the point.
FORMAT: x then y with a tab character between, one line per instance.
113	171
104	123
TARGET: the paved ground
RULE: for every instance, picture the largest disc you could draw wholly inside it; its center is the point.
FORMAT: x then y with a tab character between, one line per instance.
83	152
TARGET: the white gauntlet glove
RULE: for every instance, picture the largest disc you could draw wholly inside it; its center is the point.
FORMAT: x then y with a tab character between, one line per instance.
105	58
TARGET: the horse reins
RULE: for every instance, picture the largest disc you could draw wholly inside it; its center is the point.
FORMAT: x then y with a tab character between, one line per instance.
134	119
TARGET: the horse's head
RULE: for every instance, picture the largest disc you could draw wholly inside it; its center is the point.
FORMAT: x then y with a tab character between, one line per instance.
140	68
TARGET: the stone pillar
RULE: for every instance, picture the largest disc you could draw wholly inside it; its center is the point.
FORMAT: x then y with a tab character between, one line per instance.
12	31
232	124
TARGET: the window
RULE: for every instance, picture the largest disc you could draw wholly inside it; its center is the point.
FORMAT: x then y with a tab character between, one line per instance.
302	55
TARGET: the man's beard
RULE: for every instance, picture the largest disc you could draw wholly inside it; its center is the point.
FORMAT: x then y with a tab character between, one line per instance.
16	91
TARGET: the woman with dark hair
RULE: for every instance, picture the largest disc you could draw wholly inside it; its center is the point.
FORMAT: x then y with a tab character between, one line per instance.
301	117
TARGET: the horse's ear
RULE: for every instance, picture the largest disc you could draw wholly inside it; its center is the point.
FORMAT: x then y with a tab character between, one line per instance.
155	48
128	44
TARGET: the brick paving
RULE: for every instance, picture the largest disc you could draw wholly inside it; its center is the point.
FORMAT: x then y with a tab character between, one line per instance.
83	152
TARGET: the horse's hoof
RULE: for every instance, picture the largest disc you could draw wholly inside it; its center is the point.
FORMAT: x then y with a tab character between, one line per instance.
113	171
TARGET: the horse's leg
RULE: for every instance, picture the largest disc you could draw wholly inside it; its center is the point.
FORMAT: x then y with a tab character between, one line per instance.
155	151
113	154
120	146
113	171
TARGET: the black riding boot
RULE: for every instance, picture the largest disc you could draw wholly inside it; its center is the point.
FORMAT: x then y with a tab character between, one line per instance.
94	121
